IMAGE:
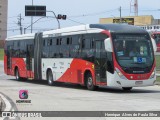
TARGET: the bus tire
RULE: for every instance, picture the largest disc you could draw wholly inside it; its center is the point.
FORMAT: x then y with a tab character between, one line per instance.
17	74
50	78
126	88
89	82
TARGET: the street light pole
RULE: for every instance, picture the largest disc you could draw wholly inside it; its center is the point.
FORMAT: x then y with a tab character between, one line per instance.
32	24
56	18
32	20
38	20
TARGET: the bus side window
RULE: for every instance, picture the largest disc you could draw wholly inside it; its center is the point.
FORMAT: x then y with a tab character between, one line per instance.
83	43
74	48
67	41
60	41
22	53
63	48
44	42
16	49
87	51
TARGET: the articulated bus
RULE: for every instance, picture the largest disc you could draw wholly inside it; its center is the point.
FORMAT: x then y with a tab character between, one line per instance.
155	33
92	55
156	37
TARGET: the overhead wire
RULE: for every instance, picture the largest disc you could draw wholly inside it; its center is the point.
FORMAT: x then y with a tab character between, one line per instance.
77	16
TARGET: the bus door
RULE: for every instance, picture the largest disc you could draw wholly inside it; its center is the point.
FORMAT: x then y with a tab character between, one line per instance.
29	60
100	62
9	59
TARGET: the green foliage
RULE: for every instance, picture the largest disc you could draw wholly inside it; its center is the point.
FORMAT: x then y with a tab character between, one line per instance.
158	79
158	61
1	54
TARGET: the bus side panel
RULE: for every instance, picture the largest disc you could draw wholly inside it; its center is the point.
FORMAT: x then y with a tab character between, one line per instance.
20	63
5	64
78	67
76	72
67	70
58	66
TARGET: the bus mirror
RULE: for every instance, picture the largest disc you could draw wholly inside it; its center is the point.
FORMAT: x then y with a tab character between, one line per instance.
154	44
108	45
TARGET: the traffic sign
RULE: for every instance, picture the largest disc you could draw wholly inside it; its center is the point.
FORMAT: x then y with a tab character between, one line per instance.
35	10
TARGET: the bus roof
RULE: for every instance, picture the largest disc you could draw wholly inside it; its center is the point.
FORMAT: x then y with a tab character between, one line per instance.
24	36
82	29
119	28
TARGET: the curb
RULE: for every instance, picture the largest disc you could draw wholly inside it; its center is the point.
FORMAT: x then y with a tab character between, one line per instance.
157	83
7	103
158	75
2	107
1	104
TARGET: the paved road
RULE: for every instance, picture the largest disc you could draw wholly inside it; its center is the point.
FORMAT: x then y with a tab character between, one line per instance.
66	97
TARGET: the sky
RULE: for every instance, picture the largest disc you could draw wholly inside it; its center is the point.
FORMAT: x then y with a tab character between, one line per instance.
78	12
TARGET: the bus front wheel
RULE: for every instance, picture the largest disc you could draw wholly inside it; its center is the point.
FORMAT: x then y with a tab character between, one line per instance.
126	88
89	82
50	78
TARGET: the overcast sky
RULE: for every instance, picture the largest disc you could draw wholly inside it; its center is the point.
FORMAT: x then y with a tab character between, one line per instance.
77	11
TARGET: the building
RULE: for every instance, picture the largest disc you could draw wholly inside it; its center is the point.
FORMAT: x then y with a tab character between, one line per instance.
3	20
132	20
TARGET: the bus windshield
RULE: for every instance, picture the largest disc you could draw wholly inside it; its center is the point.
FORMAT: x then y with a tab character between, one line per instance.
133	51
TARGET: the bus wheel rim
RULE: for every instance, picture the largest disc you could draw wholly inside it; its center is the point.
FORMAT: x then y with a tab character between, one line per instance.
17	75
50	79
90	81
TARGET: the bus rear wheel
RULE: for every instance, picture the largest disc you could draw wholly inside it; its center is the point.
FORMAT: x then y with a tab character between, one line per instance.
127	88
50	78
17	74
89	82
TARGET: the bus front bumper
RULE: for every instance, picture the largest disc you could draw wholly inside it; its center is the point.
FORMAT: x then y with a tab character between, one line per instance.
114	80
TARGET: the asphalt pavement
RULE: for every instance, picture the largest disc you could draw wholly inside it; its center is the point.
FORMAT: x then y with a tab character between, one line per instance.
69	97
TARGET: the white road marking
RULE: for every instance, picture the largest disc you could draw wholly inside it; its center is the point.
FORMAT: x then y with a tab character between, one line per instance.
8	105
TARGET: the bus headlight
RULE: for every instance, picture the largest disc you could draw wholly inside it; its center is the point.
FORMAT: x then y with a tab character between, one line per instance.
120	74
153	74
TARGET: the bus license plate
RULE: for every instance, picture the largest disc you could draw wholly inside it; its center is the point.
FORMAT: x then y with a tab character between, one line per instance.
139	82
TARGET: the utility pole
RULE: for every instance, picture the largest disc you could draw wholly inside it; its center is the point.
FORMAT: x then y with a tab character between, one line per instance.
20	23
120	14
